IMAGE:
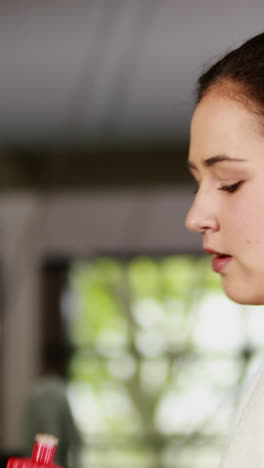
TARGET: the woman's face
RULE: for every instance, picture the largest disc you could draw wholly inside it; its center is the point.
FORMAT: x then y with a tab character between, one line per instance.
227	160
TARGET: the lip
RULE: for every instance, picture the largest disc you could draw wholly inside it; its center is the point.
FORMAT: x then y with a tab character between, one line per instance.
220	261
213	252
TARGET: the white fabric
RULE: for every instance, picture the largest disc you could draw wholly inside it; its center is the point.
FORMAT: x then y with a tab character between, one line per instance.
246	444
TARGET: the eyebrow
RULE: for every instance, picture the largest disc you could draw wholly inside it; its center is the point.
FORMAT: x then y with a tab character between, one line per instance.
215	159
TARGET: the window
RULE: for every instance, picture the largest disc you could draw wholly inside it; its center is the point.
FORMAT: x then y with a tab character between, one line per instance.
160	358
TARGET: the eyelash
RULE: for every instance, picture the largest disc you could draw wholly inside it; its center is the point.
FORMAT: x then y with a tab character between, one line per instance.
230	188
226	188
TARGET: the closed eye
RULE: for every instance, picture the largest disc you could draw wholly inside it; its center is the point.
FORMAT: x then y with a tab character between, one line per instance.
231	188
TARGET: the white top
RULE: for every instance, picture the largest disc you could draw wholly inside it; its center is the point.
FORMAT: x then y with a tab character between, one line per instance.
245	448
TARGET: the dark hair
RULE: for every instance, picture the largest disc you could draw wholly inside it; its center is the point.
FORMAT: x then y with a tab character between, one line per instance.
240	73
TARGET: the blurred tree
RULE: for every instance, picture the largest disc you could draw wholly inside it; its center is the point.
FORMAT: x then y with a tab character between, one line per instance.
132	323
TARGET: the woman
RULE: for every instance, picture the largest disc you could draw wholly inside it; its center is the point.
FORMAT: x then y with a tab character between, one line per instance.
226	158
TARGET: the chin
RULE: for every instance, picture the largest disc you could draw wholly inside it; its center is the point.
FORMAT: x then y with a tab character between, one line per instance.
244	294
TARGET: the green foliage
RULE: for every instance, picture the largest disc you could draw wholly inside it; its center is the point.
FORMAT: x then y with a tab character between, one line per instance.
177	274
89	369
133	325
144	278
98	308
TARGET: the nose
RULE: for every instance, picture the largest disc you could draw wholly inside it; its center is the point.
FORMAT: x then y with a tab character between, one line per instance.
202	215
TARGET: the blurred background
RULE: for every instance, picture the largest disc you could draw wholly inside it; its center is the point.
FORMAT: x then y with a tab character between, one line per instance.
96	97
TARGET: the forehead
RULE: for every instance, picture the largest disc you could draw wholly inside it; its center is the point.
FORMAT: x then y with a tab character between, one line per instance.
221	125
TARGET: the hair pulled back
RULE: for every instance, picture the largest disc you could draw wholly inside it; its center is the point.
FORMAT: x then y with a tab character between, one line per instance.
240	74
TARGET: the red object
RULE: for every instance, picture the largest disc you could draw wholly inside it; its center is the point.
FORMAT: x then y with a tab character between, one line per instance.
42	456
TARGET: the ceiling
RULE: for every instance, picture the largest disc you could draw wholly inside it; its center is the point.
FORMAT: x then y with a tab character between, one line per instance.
110	71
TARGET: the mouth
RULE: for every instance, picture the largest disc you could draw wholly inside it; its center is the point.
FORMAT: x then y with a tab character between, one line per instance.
220	260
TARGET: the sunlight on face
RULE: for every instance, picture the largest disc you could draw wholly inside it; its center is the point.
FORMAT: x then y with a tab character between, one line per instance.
226	159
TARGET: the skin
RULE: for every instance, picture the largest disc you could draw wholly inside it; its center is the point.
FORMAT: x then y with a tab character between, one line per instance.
226	158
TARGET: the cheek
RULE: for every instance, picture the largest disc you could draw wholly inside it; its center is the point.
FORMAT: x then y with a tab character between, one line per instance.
248	221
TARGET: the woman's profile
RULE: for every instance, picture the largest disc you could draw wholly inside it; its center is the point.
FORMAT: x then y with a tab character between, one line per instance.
226	158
